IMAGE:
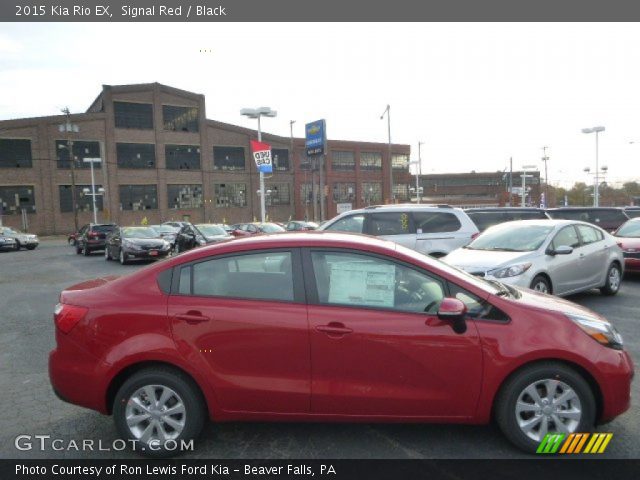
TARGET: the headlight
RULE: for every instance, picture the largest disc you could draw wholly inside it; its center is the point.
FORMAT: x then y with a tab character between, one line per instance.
511	271
602	332
165	245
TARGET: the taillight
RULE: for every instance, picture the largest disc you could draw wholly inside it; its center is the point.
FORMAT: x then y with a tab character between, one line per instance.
475	235
67	316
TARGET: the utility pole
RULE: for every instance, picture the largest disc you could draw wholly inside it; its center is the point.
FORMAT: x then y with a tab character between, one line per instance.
322	197
545	158
419	172
510	179
68	127
387	111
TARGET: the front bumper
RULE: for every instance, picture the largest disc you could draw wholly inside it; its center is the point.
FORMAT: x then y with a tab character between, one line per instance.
147	253
616	372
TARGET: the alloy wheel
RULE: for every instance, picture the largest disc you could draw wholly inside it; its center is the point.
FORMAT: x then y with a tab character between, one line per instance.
541	287
155	413
614	278
548	406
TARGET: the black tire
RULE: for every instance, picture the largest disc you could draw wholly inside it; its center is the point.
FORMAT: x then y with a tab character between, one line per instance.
122	257
31	247
78	249
194	407
611	287
539	282
107	257
17	246
85	250
508	396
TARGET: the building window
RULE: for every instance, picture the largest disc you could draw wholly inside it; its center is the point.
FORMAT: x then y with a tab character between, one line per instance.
133	115
228	158
344	192
343	161
84	202
400	161
81	149
138	197
371	193
305	162
15	153
182	157
181	119
184	196
371	161
306	193
280	157
401	191
15	198
230	194
280	194
136	155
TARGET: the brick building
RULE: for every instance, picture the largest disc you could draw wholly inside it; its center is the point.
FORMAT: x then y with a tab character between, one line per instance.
162	159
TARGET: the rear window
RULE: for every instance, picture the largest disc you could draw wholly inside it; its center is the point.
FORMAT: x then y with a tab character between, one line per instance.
103	228
577	214
484	220
527	215
632	213
609	216
436	222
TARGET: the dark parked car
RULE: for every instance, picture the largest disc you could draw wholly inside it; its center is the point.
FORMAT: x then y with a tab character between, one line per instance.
167	232
213	233
300	225
607	218
188	237
93	236
126	243
632	212
490	216
330	327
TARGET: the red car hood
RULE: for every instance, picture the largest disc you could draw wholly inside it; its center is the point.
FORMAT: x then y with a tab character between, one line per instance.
543	301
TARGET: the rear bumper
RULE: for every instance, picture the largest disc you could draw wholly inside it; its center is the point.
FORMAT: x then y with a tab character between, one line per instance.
632	264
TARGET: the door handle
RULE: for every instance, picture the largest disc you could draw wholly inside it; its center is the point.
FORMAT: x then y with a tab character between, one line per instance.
192	318
334	328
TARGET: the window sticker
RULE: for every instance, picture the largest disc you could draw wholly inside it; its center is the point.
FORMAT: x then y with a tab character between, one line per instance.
362	283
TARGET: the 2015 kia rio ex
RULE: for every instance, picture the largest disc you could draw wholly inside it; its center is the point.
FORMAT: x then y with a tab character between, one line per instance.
330	327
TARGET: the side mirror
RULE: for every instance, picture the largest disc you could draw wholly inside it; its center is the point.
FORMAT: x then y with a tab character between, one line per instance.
453	311
561	250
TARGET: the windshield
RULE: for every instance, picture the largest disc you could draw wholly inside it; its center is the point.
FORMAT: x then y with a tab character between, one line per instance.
139	232
7	230
104	228
271	228
165	229
629	230
210	230
510	238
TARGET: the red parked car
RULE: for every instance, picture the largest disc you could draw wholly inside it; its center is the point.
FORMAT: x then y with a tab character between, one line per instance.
628	237
330	327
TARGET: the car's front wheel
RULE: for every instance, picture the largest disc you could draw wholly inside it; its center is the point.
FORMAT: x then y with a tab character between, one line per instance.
158	409
17	245
123	257
540	284
543	399
107	257
614	277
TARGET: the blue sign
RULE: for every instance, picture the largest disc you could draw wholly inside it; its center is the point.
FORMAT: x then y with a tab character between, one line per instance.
316	138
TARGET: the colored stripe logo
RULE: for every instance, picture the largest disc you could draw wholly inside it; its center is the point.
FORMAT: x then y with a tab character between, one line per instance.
574	443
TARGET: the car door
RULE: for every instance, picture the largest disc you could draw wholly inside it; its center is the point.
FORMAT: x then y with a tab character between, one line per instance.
394	226
374	349
594	254
242	318
566	270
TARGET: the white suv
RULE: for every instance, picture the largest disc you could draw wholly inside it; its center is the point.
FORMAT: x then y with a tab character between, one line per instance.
431	229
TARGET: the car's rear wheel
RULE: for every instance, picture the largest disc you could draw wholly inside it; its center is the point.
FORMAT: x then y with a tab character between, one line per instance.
85	250
614	277
78	249
543	399
540	284
158	408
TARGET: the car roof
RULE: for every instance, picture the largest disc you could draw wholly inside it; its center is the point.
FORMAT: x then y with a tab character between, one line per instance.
544	222
566	209
504	209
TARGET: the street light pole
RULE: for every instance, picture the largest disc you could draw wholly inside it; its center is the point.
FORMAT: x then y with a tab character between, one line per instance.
91	161
387	111
524	177
596	189
419	172
69	127
257	113
545	158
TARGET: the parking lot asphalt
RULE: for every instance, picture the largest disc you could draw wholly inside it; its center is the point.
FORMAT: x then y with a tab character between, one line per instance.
30	282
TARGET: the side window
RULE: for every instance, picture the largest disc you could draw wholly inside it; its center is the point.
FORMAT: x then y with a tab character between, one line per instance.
389	223
567	236
436	222
589	234
352	224
477	307
360	280
259	276
185	281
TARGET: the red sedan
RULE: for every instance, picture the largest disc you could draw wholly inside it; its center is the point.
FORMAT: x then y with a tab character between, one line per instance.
330	327
628	237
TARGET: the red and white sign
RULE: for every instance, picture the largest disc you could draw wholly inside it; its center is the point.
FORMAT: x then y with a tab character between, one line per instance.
262	156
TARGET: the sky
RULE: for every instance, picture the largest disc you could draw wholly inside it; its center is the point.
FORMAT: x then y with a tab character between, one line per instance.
476	94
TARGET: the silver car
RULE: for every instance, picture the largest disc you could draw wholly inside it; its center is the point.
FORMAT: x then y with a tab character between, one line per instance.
22	240
552	256
431	229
